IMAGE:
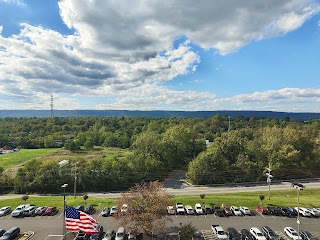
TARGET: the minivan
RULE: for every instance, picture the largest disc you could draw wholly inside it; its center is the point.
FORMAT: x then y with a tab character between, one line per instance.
120	234
11	234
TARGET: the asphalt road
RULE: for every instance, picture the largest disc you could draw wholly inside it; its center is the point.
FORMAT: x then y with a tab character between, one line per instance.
44	225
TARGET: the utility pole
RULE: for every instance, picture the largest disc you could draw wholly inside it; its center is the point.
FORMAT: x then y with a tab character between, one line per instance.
269	178
75	180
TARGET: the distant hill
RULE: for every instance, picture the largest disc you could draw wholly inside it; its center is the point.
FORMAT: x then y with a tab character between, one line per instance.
156	114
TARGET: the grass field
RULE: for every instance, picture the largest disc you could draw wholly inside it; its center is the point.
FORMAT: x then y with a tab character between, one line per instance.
12	159
308	198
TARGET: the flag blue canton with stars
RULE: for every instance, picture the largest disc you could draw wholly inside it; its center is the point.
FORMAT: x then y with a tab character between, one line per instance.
72	213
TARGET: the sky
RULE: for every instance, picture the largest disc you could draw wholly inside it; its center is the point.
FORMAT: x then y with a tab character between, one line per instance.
160	55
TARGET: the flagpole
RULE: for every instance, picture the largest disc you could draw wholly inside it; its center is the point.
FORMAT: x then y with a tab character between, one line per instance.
64	210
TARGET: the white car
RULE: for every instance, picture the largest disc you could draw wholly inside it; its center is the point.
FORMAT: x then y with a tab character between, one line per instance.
180	208
303	211
170	210
19	210
198	209
257	234
236	211
291	233
189	210
314	212
124	208
5	211
245	210
113	210
219	232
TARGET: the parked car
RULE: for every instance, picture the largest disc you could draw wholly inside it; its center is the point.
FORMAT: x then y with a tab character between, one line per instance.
50	211
12	233
29	211
208	209
236	211
113	210
257	234
262	210
120	234
218	211
233	234
293	212
131	236
5	211
274	211
218	232
180	208
245	210
303	211
2	231
285	212
40	210
90	210
98	236
245	234
198	209
226	210
291	233
105	212
80	208
314	212
18	212
110	235
171	210
305	235
269	233
189	210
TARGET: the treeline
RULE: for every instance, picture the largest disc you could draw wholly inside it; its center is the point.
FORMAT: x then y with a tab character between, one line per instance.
236	154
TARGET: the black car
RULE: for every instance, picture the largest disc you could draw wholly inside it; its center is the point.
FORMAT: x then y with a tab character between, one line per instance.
208	209
11	234
274	211
293	212
110	234
2	232
246	235
80	208
90	210
218	211
305	235
269	233
98	236
233	234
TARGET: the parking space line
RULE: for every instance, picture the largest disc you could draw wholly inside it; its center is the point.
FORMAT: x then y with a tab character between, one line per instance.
261	215
60	215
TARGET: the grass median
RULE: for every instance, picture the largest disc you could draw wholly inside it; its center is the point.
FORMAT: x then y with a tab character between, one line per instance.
308	198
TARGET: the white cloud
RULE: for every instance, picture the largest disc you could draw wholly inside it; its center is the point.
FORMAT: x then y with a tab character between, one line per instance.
17	2
124	47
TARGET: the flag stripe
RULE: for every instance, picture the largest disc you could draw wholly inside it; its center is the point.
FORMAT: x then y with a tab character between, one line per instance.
79	221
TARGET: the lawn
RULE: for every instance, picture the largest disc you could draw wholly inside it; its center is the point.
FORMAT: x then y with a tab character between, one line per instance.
12	159
308	198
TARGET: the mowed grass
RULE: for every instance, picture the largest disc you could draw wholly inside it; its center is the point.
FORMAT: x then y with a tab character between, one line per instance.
288	198
12	159
119	153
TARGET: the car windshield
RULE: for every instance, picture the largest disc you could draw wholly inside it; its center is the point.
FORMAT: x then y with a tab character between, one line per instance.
120	234
221	232
294	234
198	207
259	234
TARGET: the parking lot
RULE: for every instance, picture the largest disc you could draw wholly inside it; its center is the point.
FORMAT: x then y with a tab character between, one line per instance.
43	226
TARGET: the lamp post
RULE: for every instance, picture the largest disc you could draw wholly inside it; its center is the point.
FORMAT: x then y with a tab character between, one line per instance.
75	180
299	187
64	209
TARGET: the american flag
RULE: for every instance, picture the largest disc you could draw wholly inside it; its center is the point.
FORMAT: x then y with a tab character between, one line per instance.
77	221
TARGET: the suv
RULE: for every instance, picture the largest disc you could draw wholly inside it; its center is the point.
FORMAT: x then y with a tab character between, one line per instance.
269	233
233	234
18	212
198	209
257	234
29	211
219	232
90	210
305	235
180	208
11	234
227	211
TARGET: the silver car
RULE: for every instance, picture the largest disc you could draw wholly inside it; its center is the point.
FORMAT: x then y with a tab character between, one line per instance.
5	211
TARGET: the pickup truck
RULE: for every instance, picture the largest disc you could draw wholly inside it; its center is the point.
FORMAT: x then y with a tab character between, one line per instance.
218	231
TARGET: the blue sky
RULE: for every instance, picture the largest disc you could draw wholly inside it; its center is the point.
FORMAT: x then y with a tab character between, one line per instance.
150	55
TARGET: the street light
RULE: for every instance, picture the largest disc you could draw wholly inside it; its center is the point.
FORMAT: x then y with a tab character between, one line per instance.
64	209
75	180
299	187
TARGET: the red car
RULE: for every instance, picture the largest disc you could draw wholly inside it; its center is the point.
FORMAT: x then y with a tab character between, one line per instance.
50	211
262	210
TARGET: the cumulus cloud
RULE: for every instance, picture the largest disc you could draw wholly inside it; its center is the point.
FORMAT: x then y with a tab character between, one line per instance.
124	47
17	2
